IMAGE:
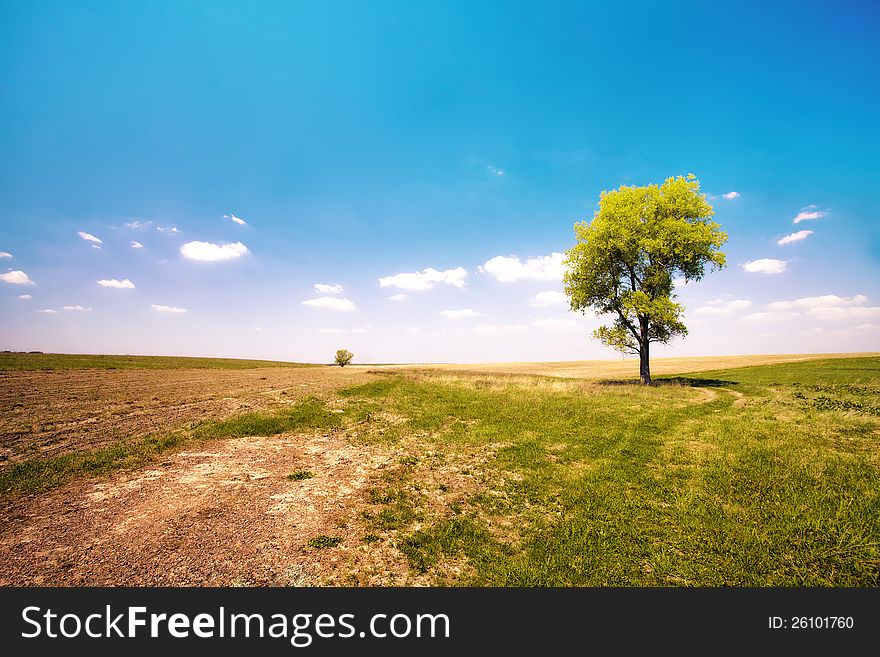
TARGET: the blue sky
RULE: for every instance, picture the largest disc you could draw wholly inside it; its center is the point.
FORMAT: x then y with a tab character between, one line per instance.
362	140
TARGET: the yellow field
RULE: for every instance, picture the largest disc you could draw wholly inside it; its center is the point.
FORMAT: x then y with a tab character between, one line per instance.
629	367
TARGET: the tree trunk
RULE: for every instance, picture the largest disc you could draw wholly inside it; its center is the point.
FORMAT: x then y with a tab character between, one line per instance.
644	365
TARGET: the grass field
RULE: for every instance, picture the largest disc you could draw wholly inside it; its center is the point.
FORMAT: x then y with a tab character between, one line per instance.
748	477
627	368
767	475
24	361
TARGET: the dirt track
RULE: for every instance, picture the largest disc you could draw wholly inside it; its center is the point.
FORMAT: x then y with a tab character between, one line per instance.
222	515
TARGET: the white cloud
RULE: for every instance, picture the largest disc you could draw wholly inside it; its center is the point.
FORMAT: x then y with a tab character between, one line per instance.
76	309
170	230
48	311
731	195
88	237
398	297
765	266
491	329
136	245
797	236
548	298
413	331
167	309
720	307
112	282
25	297
494	171
839	314
770	317
237	220
681	282
323	288
425	279
824	301
330	303
808	215
16	277
5	254
138	225
208	252
460	314
553	323
509	269
829	307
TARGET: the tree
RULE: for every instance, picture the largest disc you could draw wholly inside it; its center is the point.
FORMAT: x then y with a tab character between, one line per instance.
626	258
343	357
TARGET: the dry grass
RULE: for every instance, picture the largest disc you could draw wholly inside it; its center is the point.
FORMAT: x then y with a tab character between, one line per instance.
625	367
494	474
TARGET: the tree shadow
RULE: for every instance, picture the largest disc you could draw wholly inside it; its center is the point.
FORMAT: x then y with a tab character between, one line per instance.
696	382
684	381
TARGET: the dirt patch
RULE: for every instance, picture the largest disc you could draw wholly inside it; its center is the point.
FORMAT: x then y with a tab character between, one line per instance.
222	515
50	413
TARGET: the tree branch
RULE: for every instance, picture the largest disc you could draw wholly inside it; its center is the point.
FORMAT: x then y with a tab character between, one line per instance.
633	279
627	324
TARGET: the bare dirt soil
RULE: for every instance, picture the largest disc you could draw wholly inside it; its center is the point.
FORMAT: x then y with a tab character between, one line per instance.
224	514
50	413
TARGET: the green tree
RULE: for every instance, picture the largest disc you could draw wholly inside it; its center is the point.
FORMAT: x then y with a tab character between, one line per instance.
626	258
343	357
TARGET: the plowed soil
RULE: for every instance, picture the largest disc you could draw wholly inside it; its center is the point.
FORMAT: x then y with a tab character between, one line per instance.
50	413
223	513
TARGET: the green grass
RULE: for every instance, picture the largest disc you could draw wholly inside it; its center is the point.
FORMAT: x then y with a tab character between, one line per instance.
756	476
322	541
310	413
40	475
728	478
28	361
834	372
300	475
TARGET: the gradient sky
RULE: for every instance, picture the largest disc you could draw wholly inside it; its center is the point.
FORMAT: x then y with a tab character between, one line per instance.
362	140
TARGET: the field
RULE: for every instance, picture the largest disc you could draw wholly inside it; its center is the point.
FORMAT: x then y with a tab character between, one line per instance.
40	361
741	471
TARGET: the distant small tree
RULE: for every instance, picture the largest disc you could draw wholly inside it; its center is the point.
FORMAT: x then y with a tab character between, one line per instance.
626	258
343	357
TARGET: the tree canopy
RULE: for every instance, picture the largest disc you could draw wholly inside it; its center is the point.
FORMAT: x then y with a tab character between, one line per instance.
626	258
343	357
